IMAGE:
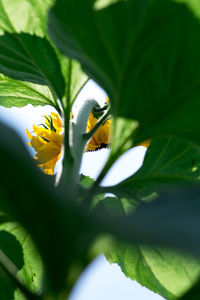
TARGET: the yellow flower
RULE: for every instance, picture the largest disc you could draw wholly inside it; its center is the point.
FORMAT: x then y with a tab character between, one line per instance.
48	139
47	142
101	138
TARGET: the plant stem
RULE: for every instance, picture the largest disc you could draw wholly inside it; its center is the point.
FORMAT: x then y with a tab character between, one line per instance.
67	111
89	134
111	160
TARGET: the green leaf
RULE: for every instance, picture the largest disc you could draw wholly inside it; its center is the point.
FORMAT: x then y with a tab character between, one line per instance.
31	271
122	139
166	220
169	162
11	248
20	93
86	181
165	271
31	58
11	254
30	17
19	295
77	79
193	293
112	205
74	78
169	273
144	76
24	15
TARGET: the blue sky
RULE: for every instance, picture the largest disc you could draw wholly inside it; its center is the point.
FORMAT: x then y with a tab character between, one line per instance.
101	280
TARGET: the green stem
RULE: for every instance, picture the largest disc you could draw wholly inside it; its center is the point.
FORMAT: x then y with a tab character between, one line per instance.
78	133
87	136
111	160
113	157
67	111
68	158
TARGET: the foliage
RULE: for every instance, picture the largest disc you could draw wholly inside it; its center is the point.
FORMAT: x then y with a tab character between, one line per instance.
145	54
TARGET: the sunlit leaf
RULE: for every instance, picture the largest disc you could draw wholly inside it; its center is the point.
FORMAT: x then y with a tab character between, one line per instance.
169	162
169	273
24	15
169	219
20	93
31	270
31	58
30	17
10	252
74	78
122	138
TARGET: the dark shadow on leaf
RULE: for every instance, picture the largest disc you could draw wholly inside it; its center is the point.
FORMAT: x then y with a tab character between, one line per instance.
31	58
11	256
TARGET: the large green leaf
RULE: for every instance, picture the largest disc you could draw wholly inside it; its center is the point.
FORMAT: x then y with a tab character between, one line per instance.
143	71
24	15
169	273
30	17
31	270
31	58
19	257
169	162
19	93
12	259
165	271
10	252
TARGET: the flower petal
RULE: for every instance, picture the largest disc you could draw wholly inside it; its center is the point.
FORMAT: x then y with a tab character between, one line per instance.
38	144
57	123
48	167
101	136
28	134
